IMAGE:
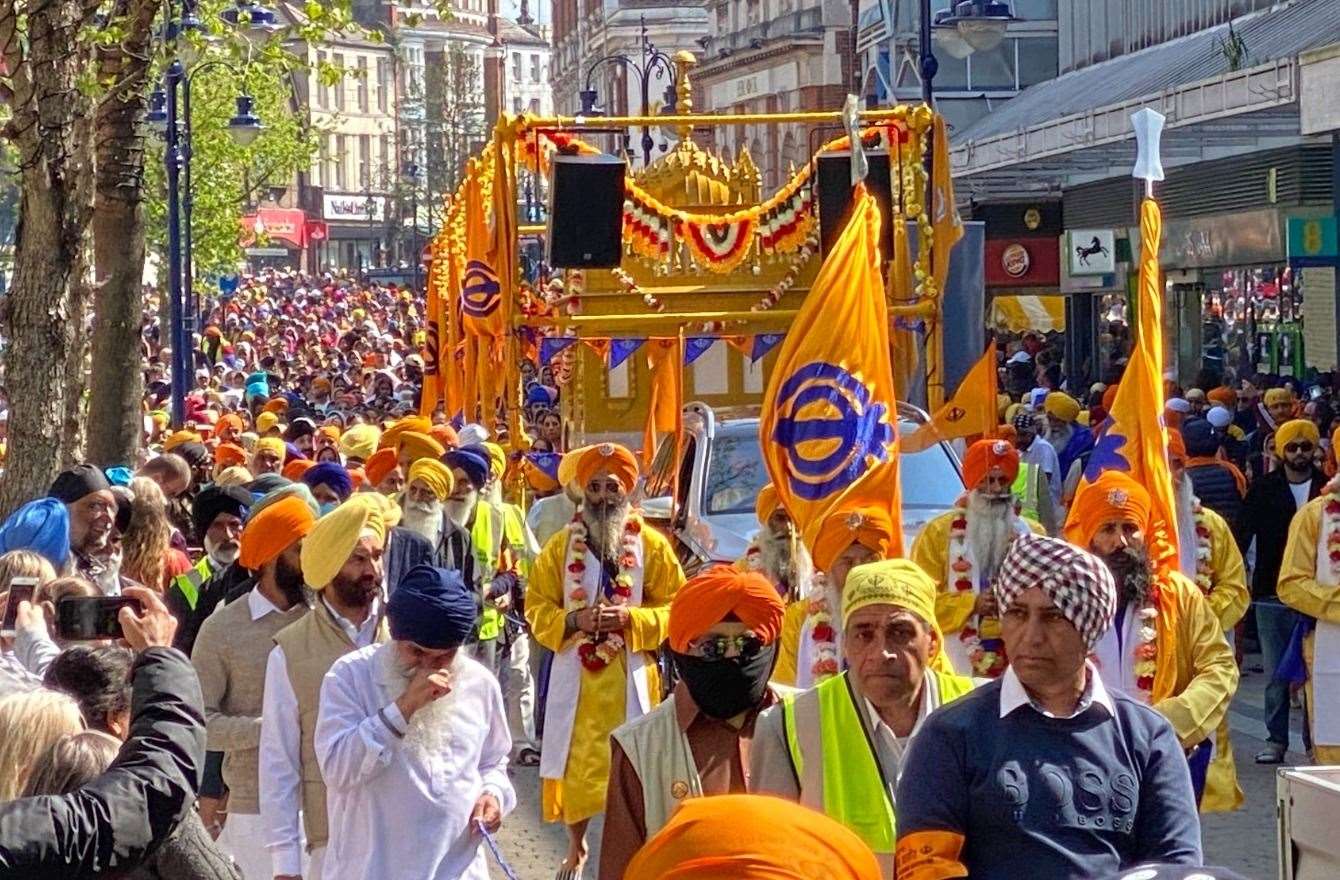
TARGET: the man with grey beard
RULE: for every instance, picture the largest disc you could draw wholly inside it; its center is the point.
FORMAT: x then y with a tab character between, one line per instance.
962	551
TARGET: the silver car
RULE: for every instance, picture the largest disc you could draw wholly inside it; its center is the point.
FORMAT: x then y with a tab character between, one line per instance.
721	471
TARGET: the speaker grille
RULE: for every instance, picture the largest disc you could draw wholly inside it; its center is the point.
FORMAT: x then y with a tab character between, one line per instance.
586	195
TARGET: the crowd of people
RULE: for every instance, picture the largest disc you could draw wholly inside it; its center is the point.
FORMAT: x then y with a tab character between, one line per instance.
347	627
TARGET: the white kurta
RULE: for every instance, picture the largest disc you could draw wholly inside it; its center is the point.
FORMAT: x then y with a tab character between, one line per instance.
393	812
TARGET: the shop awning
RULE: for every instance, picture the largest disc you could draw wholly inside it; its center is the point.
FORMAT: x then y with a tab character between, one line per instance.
1018	313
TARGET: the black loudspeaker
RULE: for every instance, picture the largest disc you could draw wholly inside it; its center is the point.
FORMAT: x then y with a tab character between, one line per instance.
586	198
833	184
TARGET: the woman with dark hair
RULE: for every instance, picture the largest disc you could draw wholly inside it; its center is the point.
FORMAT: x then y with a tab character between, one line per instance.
99	680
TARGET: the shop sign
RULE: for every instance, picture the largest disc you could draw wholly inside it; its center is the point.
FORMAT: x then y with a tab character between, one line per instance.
353	208
1091	252
1246	238
269	224
1313	240
1023	262
1015	260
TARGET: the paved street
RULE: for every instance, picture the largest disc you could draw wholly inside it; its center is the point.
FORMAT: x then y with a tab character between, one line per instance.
1244	841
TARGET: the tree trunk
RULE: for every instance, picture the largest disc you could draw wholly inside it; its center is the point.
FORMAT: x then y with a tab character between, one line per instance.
115	417
51	127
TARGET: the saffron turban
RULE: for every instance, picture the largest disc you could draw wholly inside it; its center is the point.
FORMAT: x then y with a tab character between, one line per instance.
711	596
231	420
359	442
229	454
445	434
273	530
473	461
431	608
870	527
986	454
215	500
42	526
331	474
497	459
433	474
606	458
1078	583
766	504
1062	406
1224	396
276	406
418	446
1113	497
297	468
380	465
330	432
334	537
178	438
769	839
1277	395
272	444
416	424
1294	431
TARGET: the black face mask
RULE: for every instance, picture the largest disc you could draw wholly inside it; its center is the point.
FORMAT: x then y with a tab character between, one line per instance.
725	688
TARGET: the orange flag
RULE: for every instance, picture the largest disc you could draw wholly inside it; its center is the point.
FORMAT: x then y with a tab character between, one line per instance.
946	224
971	411
665	357
1133	438
487	287
829	431
433	344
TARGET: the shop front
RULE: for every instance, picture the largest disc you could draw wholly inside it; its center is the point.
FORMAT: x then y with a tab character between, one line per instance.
278	238
356	223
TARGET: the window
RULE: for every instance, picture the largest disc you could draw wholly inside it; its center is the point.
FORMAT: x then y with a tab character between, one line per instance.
339	83
1037	60
516	67
318	85
534	67
328	159
993	69
387	157
364	161
516	105
383	84
535	106
362	85
341	171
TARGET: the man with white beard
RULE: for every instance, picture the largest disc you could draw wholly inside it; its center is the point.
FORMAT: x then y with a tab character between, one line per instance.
962	551
427	486
1209	557
777	553
216	514
412	743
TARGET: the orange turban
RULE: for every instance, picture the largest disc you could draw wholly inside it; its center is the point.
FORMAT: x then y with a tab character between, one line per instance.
767	503
330	432
768	839
278	405
274	529
178	438
446	435
296	468
228	454
709	597
607	458
1113	497
986	454
1109	397
417	424
868	526
1225	396
383	461
417	445
231	420
359	478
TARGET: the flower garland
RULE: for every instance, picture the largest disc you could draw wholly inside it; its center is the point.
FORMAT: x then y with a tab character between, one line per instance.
1331	529
1147	649
1204	551
986	650
649	299
823	635
802	256
596	651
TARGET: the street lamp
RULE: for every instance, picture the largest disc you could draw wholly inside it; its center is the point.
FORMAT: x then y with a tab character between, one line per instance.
972	26
411	171
652	61
173	120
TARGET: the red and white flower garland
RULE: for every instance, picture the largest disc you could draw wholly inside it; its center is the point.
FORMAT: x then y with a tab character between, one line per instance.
1204	550
982	642
1330	529
823	636
596	651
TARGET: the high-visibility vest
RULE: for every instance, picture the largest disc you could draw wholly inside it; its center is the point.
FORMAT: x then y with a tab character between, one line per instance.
1025	489
834	759
189	582
485	543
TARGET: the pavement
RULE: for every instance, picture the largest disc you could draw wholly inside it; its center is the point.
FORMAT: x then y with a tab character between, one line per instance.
1244	840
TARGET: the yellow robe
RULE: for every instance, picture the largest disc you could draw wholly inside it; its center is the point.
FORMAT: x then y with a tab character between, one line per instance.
1196	676
788	648
580	794
931	552
1299	589
1228	602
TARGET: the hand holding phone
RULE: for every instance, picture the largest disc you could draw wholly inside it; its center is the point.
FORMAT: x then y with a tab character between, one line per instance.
20	590
150	624
85	618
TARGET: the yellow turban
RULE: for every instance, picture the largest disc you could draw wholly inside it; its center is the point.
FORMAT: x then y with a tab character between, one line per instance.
1294	431
332	540
359	442
497	459
235	475
567	468
434	474
766	504
178	438
1277	395
1062	406
899	582
272	444
417	424
391	511
266	422
418	446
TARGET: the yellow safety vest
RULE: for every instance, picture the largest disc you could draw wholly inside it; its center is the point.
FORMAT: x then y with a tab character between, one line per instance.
192	580
1025	489
853	789
485	549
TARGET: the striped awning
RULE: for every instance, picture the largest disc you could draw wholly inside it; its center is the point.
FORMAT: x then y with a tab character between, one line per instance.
1020	313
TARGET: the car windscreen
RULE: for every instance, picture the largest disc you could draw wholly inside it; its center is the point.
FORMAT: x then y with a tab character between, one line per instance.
736	473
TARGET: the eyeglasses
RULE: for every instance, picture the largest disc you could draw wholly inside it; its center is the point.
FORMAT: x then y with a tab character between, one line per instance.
713	648
1299	447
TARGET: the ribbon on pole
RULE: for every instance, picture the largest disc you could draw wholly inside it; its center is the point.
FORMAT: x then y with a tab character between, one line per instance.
696	346
622	349
764	343
552	346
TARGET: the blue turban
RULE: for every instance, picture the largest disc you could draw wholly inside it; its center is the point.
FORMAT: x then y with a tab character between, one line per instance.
257	389
473	460
42	526
118	476
431	608
332	474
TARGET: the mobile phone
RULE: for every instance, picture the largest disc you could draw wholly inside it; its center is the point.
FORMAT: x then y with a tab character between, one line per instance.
80	618
20	590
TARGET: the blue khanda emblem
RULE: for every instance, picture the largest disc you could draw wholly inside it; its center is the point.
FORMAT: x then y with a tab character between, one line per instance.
479	289
1106	454
829	429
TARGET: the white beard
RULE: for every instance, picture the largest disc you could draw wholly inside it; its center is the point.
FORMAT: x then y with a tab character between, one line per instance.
428	735
423	519
493	494
222	555
783	560
458	510
990	531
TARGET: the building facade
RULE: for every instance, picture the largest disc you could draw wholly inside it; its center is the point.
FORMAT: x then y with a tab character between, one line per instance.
526	53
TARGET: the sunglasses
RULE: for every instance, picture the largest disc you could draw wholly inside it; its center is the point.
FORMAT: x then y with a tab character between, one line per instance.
746	646
1299	447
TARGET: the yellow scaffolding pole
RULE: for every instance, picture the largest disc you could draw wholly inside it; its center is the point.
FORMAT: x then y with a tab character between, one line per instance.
919	115
579	321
